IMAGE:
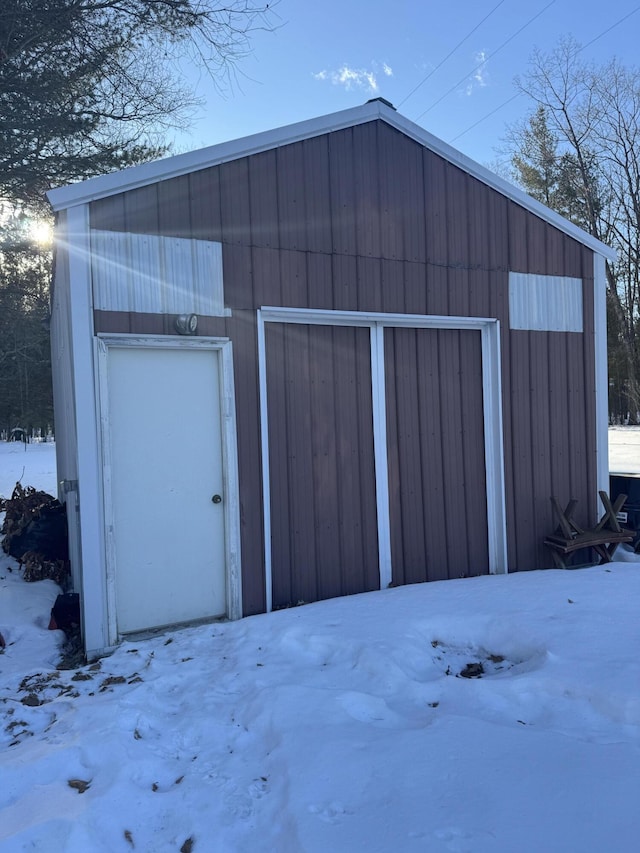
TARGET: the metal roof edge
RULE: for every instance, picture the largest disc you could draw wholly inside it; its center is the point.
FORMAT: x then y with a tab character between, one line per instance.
181	164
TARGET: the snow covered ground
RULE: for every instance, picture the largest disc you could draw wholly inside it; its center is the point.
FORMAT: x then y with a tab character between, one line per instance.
31	464
624	449
339	726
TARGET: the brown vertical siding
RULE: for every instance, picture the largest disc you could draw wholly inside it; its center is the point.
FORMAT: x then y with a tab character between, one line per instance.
392	285
291	198
143	206
435	195
458	216
519	450
473	450
541	430
125	322
367	219
537	261
317	175
108	213
174	213
415	288
266	274
205	209
293	279
414	218
393	179
345	282
436	454
264	217
479	246
577	438
369	204
369	275
323	521
320	280
341	192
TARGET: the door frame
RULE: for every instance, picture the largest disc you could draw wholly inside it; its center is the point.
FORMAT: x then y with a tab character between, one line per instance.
232	555
489	329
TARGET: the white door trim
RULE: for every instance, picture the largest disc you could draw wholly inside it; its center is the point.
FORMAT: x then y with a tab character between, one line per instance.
492	408
494	448
378	401
318	316
223	346
266	473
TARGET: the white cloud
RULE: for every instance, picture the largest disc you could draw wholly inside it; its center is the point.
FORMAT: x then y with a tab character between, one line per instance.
354	78
480	76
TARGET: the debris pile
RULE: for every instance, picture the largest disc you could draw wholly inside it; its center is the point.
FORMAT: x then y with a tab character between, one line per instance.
35	533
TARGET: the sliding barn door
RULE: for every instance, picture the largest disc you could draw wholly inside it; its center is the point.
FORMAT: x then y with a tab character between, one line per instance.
324	539
436	454
337	521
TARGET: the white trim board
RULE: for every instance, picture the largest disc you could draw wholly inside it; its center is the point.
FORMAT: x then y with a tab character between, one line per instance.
181	164
229	462
320	316
381	453
89	529
492	406
601	376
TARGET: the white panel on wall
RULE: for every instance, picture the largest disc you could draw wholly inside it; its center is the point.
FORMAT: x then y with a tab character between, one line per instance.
545	303
156	275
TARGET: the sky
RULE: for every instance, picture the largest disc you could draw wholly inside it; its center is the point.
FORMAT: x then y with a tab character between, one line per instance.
444	65
478	715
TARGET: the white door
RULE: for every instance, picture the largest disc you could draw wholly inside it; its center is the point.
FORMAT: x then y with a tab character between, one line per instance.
165	455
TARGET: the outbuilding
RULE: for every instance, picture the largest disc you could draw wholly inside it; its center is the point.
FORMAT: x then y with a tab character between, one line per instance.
321	360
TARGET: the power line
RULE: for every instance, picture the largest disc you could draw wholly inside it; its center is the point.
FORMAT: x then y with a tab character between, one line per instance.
608	30
442	62
485	117
517	95
504	44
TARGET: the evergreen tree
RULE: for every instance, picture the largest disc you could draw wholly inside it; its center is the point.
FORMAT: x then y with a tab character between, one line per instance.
25	363
535	160
89	86
86	87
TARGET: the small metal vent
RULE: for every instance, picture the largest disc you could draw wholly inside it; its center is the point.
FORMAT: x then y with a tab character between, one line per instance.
382	101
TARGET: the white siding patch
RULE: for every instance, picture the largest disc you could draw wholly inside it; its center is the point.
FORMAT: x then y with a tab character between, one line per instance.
156	275
545	303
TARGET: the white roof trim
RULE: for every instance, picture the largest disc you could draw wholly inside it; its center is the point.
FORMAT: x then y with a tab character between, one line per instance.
182	164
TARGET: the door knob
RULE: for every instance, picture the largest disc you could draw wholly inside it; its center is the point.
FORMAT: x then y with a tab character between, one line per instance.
216	499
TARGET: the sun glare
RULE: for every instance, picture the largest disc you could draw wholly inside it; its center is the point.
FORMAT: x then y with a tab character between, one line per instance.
41	232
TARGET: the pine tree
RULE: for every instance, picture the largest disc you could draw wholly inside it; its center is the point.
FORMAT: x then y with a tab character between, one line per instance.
25	362
86	87
536	160
89	86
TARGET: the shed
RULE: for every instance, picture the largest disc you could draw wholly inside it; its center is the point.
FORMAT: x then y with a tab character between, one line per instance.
316	361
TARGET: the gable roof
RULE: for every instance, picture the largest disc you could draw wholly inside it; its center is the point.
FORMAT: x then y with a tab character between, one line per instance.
378	109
